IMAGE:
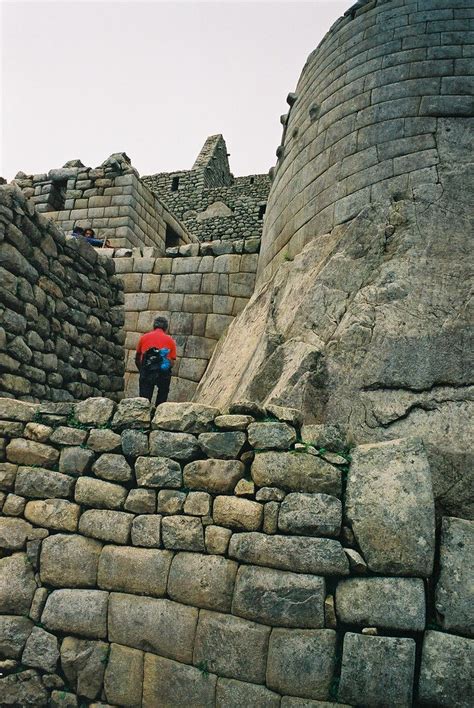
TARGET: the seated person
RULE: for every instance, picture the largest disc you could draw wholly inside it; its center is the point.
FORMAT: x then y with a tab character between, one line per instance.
77	232
89	235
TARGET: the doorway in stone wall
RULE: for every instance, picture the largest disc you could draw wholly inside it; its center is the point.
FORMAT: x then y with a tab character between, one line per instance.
171	237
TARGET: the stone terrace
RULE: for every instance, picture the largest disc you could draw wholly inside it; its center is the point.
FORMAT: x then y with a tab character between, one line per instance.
197	558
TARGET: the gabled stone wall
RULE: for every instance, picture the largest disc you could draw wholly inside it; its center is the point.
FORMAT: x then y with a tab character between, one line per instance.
195	558
61	313
209	200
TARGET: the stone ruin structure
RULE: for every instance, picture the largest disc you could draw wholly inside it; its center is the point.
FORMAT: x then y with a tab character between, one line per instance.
301	534
209	201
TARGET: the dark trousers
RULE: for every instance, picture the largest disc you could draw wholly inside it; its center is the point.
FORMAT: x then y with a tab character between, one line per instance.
147	385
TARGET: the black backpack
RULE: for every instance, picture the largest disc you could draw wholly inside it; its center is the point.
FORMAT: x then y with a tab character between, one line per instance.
154	361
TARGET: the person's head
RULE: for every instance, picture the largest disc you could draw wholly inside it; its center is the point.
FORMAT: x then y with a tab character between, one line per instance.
160	323
89	233
78	231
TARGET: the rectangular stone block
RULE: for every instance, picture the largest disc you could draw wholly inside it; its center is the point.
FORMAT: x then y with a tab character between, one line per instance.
302	662
97	493
190	283
216	325
123	679
394	603
202	581
181	533
169	683
158	472
241	284
444	106
165	627
199	347
69	561
377	666
455	589
279	598
231	647
237	513
82	612
151	283
227	263
38	483
198	303
447	673
310	515
296	472
141	571
189	264
389	501
319	556
111	526
143	265
136	302
222	304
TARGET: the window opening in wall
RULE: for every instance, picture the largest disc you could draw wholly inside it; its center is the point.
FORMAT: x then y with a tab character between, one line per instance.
261	211
252	180
174	184
57	195
171	237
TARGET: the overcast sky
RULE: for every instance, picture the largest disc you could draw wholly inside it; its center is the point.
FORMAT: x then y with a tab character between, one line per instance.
154	79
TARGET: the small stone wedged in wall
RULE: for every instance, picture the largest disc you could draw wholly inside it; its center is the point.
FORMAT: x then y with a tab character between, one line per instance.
83	662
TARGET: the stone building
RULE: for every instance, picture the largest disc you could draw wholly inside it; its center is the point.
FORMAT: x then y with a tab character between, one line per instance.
277	542
111	199
209	200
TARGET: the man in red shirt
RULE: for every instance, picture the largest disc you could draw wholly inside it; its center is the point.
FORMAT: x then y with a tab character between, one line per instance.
157	339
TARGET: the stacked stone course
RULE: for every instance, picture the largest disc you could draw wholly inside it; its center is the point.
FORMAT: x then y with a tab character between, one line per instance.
200	289
60	310
194	557
367	117
111	199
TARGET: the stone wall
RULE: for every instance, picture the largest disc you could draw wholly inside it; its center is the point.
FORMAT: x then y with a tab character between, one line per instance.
364	124
209	200
194	558
61	310
200	289
111	199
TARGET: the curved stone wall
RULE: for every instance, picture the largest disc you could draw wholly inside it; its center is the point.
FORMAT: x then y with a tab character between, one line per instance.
364	125
213	560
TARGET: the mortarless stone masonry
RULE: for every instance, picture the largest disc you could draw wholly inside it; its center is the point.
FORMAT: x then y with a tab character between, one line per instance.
61	316
111	199
194	596
211	203
207	557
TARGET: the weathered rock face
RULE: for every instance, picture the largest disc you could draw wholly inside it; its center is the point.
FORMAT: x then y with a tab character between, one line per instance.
360	314
366	328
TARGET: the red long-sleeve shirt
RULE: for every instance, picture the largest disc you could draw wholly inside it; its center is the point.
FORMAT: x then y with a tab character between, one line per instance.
158	339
